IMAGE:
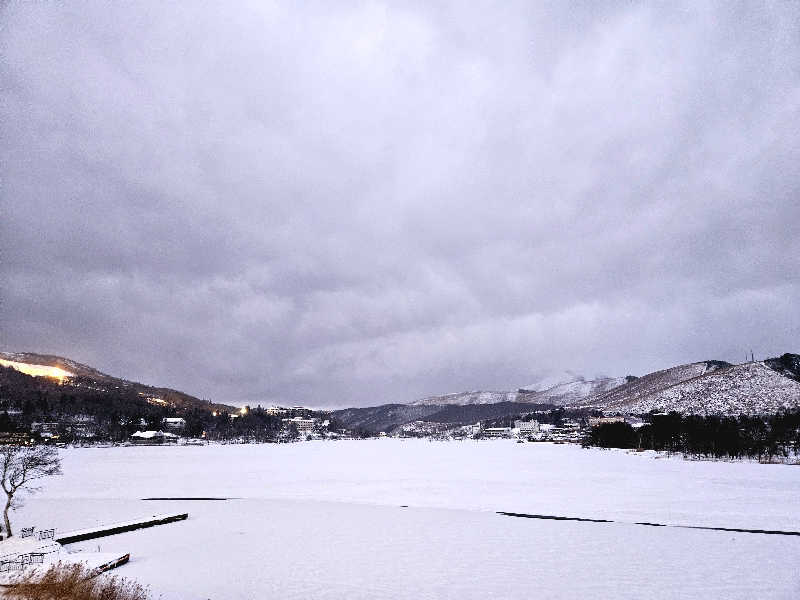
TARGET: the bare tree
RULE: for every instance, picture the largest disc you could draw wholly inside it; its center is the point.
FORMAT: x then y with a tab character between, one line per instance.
20	466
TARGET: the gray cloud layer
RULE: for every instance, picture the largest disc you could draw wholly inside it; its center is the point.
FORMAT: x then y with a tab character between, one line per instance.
375	202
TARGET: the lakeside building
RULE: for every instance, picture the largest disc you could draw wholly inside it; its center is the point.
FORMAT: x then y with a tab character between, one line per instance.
8	438
546	428
526	428
47	430
496	432
151	438
83	430
43	428
597	421
569	431
80	426
303	425
174	423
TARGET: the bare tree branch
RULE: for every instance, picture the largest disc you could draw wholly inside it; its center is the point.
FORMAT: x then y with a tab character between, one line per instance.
20	466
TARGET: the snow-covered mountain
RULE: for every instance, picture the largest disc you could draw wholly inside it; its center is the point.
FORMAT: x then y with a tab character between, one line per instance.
572	392
751	388
712	387
644	386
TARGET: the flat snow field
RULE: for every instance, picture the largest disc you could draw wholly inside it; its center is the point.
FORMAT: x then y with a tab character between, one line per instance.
417	519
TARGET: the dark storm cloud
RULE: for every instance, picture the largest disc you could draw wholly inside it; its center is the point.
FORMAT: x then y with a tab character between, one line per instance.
376	202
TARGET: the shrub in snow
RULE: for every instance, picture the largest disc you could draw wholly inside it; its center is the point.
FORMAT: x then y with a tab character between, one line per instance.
73	582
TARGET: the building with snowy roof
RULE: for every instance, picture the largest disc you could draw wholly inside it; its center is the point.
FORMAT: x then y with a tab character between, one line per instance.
151	438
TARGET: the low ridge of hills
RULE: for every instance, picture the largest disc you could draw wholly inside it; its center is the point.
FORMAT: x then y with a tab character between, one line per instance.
65	375
384	417
388	416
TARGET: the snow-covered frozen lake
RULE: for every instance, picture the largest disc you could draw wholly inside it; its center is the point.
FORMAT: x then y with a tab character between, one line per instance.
417	519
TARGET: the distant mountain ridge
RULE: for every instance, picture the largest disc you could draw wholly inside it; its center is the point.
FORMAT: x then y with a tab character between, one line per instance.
705	387
559	390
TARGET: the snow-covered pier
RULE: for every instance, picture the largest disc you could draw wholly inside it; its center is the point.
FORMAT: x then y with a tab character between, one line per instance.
30	551
19	556
81	535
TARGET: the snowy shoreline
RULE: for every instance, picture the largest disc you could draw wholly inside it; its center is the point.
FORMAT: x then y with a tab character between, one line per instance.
793	460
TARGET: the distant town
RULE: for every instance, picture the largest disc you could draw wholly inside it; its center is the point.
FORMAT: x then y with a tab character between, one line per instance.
289	424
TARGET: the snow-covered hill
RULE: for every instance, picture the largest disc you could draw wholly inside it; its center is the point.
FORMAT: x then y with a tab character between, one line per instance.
649	384
80	376
550	380
711	387
751	388
71	367
466	398
572	392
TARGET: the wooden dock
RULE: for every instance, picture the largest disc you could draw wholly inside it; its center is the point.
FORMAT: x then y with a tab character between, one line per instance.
81	535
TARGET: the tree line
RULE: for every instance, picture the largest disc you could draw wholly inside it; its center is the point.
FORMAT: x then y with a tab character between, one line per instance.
763	438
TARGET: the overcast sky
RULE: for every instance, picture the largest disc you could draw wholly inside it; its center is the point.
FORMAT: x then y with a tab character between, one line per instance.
298	203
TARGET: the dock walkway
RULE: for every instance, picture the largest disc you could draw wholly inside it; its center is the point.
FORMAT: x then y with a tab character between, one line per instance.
81	535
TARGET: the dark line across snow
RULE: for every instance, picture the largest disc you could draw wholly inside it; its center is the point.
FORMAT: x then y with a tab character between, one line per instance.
189	498
703	527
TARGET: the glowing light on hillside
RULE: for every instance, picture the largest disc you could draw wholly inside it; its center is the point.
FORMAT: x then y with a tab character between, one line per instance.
37	370
243	410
